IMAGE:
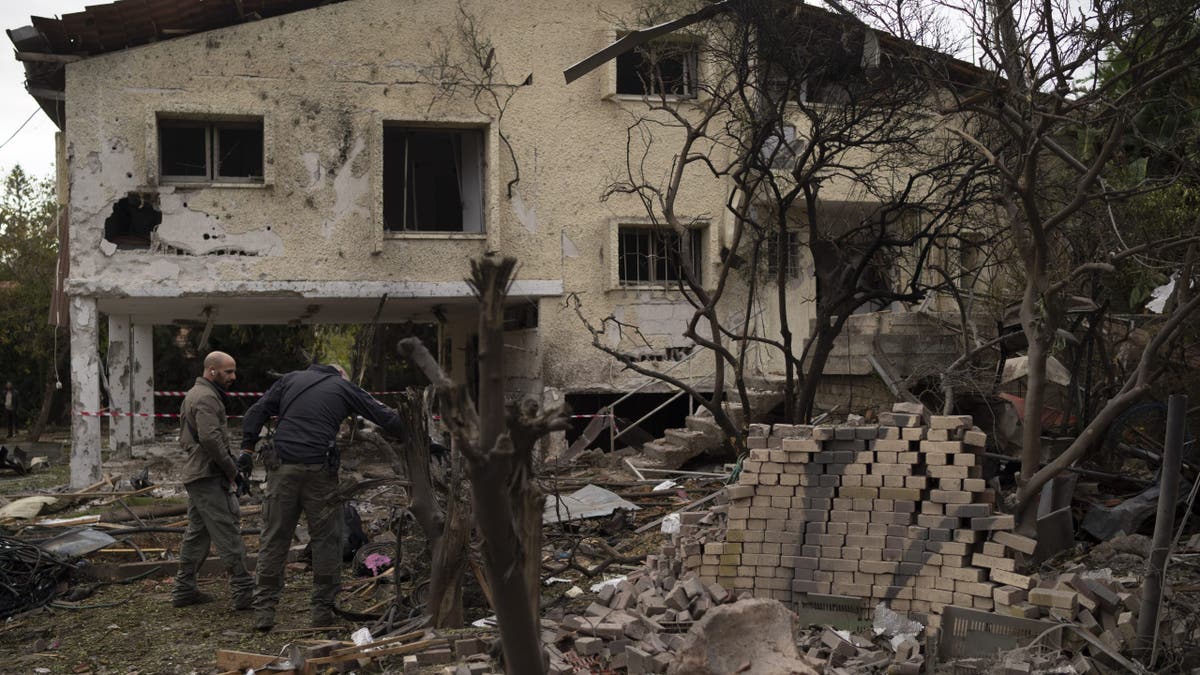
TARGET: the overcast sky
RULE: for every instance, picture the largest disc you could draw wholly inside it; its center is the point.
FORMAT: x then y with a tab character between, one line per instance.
33	146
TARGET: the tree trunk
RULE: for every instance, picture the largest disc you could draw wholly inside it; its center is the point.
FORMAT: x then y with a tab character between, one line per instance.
1035	396
48	394
820	355
493	484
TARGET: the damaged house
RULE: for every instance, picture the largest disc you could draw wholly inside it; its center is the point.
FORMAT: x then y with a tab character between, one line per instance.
295	161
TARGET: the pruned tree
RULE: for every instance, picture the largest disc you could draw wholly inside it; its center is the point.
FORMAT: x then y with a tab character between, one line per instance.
819	133
497	445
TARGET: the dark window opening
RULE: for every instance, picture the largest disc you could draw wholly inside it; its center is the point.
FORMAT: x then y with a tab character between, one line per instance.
200	151
657	68
132	221
184	150
650	256
239	152
432	180
521	317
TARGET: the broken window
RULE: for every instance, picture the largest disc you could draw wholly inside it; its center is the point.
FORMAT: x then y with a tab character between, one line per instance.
779	150
659	67
651	256
210	151
132	221
791	261
432	180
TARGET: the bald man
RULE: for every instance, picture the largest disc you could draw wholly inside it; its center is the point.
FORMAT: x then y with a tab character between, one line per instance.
209	475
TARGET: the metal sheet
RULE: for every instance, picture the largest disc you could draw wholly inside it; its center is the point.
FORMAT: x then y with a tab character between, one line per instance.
77	542
589	501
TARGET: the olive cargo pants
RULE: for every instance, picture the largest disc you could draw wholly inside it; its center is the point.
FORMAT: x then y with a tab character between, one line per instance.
213	518
294	489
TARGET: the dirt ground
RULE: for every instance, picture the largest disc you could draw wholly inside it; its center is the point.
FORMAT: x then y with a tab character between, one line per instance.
132	627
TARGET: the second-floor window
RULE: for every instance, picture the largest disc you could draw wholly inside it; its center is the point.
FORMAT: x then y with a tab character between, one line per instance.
650	256
660	67
207	151
432	179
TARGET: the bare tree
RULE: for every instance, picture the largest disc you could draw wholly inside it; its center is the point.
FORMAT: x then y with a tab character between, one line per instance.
820	132
1055	194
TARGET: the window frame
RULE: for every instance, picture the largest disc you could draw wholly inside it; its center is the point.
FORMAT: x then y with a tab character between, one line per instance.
481	180
694	64
211	126
652	231
792	264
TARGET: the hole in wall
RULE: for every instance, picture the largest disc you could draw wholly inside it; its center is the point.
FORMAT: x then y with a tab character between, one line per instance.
132	221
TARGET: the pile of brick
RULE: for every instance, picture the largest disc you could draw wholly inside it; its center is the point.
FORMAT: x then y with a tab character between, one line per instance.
896	512
1102	607
637	623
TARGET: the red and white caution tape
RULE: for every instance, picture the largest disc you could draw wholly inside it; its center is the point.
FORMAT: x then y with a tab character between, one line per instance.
180	394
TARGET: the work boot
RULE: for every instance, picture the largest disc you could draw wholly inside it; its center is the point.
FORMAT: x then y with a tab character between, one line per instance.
323	618
264	622
197	598
242	601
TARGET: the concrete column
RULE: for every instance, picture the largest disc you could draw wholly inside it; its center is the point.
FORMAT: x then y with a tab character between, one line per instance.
120	379
85	392
143	382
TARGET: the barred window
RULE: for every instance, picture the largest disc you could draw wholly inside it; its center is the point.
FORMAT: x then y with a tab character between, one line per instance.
791	261
651	256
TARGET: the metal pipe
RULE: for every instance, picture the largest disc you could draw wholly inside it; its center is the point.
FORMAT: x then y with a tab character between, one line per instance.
1164	525
649	414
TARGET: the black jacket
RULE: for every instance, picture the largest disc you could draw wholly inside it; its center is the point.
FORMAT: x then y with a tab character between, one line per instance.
312	414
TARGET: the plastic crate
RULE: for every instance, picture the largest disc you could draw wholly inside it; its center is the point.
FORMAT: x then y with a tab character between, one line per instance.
840	611
971	633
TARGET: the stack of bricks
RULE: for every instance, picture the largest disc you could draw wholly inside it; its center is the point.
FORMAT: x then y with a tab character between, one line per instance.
895	512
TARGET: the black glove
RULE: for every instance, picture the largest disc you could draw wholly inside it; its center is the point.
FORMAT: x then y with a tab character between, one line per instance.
245	463
242	485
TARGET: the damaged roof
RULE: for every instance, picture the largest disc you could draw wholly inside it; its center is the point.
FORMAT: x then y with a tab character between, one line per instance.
46	46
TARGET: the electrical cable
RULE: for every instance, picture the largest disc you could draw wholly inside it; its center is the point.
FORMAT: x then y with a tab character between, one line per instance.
14	134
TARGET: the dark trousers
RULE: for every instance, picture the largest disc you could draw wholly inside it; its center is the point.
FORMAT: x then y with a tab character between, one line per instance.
293	489
214	518
11	415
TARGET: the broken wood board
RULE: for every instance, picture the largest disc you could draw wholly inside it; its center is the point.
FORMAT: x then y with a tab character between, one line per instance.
366	651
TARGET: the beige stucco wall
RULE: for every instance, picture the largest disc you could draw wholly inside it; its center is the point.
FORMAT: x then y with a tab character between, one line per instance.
325	81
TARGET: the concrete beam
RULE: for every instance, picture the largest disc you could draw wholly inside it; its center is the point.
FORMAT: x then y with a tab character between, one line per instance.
120	389
143	381
85	392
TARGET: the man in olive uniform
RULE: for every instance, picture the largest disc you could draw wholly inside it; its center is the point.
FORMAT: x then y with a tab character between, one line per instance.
209	475
310	405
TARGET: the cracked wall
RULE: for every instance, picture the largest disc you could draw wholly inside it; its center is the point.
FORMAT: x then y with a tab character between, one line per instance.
325	82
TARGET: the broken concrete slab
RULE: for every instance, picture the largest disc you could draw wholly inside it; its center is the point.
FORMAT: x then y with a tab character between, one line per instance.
755	636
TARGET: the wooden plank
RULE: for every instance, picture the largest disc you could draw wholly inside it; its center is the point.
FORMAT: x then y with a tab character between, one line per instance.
389	651
228	659
47	58
52	94
378	643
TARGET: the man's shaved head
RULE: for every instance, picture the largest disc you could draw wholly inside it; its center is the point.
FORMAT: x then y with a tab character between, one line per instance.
220	368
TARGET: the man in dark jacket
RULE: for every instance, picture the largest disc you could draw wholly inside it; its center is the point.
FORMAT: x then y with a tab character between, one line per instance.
310	405
209	475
